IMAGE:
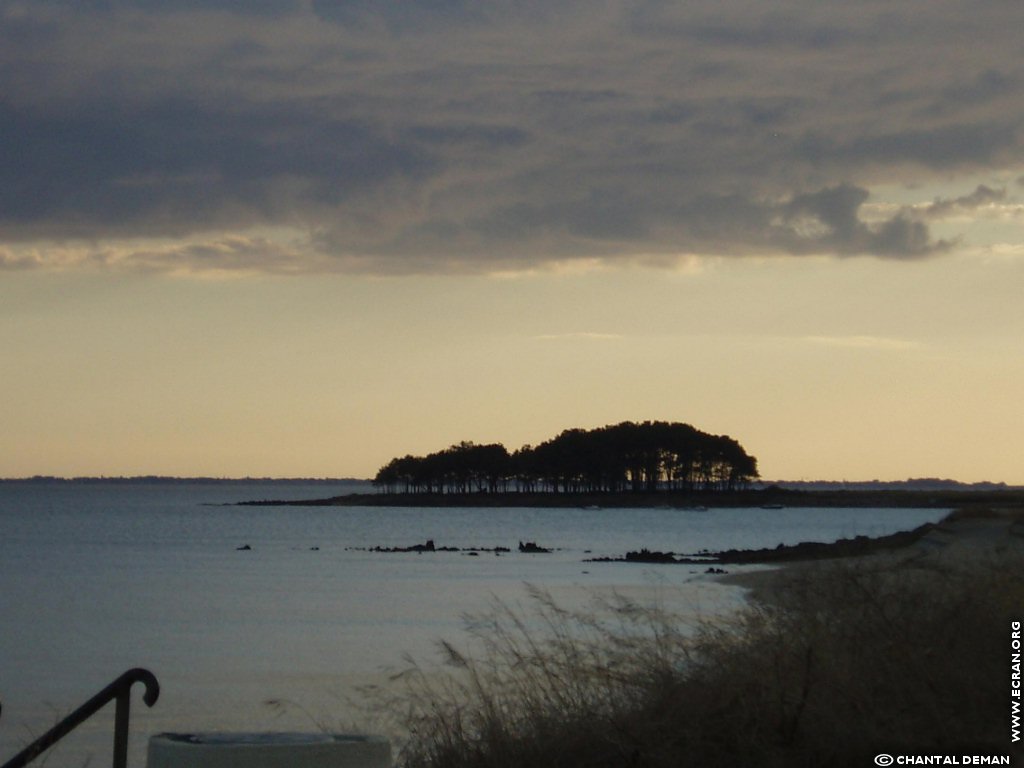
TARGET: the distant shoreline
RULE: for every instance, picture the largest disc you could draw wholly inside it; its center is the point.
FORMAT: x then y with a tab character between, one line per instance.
906	494
767	497
171	480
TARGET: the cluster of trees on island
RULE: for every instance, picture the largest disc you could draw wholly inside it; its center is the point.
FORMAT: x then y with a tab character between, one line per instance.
638	457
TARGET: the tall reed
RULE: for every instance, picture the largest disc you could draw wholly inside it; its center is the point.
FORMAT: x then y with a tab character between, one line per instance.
832	665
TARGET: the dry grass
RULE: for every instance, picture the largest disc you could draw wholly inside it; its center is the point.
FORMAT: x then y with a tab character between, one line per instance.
845	661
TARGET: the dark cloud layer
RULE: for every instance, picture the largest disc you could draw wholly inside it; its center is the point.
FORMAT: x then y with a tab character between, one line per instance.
453	135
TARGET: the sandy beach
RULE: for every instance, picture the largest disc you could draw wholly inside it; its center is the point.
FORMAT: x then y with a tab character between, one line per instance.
964	536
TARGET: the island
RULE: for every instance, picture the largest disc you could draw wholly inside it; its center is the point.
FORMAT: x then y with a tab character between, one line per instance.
627	465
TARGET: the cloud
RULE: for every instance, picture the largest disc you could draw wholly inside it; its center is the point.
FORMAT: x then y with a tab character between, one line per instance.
878	343
831	215
982	196
11	261
453	136
224	255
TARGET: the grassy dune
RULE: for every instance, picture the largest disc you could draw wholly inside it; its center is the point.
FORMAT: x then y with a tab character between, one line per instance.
830	664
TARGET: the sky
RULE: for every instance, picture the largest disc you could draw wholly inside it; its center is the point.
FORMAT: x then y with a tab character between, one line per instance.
301	237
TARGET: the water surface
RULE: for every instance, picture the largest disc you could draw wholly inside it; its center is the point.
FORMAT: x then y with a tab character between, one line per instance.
100	578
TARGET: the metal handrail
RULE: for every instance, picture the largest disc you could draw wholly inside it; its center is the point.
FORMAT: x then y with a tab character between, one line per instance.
119	690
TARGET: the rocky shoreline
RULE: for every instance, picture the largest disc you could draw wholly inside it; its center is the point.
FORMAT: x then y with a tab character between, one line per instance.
964	527
807	550
529	547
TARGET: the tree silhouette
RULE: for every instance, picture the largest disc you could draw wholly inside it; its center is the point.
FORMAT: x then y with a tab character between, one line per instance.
638	457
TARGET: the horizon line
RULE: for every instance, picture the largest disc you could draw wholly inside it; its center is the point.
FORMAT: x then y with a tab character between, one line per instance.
154	478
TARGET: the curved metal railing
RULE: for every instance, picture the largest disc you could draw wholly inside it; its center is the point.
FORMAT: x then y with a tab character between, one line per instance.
119	691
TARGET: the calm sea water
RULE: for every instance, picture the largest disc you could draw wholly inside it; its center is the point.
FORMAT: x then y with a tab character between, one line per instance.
100	578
